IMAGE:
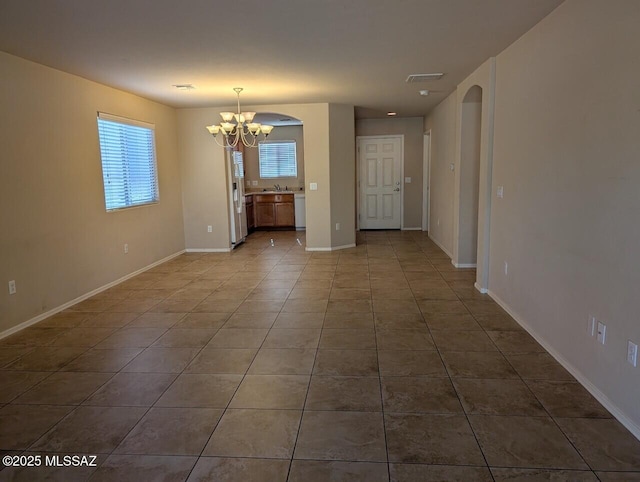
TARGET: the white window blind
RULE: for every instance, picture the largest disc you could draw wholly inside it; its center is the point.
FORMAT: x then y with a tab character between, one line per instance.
277	159
129	170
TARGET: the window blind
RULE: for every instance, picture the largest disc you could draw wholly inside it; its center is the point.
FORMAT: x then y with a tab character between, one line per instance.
129	169
277	159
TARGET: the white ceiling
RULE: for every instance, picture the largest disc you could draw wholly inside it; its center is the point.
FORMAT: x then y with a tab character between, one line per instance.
281	51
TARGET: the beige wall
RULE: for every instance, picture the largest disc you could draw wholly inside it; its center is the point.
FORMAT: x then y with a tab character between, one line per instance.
567	153
412	129
343	175
252	166
442	123
56	239
565	149
204	186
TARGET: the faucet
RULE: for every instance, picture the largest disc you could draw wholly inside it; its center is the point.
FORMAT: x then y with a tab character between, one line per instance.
277	187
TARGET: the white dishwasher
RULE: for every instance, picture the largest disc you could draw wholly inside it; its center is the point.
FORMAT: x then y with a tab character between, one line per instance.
301	214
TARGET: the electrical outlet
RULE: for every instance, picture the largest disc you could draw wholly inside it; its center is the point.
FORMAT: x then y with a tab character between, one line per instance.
254	183
601	332
126	248
12	287
337	226
209	229
506	268
632	353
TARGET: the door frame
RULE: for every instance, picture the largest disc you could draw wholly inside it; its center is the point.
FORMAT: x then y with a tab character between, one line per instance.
426	180
358	184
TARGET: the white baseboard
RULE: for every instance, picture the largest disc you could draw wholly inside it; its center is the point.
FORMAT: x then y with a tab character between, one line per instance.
484	291
412	229
208	250
332	248
584	381
58	309
446	251
464	265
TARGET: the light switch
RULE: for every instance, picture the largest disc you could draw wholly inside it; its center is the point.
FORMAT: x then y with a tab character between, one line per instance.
500	192
407	180
313	186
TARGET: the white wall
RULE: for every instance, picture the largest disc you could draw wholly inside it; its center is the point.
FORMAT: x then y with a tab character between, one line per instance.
442	123
56	239
567	120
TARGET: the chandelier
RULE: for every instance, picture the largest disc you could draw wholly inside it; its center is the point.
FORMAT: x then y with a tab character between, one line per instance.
238	127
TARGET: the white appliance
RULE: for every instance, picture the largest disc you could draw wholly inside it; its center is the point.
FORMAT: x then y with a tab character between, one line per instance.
300	210
237	210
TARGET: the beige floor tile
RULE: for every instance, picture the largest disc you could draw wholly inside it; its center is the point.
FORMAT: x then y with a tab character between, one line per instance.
162	360
428	473
292	338
403	363
299	320
532	475
109	320
349	321
404	340
188	338
497	397
255	433
468	341
271	392
14	383
132	338
260	306
347	339
322	471
344	393
567	399
46	358
400	321
212	321
239	470
33	336
171	431
478	365
131	390
419	395
102	360
515	342
354	436
431	439
604	443
222	360
497	322
350	294
238	338
90	430
135	468
64	388
438	306
24	424
538	366
349	306
204	390
524	442
357	363
305	306
283	361
156	320
395	306
447	321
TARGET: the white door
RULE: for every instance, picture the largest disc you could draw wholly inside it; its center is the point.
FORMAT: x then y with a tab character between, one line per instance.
380	161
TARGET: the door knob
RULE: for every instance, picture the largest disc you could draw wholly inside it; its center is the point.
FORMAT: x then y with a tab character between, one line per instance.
397	189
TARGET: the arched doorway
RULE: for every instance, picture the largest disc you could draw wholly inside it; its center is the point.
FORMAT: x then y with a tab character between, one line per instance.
470	140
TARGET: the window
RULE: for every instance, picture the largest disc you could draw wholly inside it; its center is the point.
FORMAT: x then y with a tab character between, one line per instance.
129	170
277	159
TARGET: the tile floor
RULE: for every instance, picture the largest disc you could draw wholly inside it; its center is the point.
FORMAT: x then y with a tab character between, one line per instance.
376	363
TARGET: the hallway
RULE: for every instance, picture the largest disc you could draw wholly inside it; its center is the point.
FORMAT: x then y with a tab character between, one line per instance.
376	363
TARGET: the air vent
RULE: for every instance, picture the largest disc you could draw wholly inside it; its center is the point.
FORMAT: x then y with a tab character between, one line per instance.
424	77
184	86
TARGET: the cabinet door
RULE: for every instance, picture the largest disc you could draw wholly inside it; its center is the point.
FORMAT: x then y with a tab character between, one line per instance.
284	214
250	219
265	214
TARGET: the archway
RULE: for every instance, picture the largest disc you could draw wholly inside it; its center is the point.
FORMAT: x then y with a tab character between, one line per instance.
470	140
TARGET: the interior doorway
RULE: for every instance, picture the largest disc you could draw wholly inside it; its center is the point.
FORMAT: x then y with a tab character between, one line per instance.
470	139
380	174
426	179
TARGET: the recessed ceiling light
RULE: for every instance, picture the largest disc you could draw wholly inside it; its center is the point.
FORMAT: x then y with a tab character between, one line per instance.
184	86
424	92
424	77
391	114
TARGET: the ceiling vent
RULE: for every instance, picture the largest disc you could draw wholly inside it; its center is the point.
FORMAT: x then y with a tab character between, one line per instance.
184	86
424	77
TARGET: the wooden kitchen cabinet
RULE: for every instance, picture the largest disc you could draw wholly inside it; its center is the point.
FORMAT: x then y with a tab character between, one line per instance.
274	210
251	220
